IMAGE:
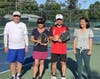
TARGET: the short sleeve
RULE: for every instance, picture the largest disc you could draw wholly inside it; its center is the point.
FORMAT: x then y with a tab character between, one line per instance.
33	32
75	32
50	32
47	32
91	35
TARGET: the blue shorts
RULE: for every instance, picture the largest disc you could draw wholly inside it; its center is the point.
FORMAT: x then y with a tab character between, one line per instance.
16	55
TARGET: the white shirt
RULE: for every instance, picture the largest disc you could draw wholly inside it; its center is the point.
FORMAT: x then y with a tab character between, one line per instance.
15	35
83	38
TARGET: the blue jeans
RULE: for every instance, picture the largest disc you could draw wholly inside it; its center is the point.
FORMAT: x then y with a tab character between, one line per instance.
86	58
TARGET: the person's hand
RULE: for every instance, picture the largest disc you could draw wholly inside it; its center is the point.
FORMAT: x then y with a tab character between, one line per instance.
90	52
45	44
38	41
74	51
59	40
26	49
6	49
56	38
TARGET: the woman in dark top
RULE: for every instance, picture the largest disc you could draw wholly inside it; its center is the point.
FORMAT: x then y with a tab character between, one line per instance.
40	51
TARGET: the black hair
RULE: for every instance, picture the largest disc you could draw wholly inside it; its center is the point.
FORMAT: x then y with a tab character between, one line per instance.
40	21
87	22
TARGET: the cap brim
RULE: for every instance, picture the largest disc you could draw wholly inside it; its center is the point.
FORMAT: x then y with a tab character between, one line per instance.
16	15
40	22
59	19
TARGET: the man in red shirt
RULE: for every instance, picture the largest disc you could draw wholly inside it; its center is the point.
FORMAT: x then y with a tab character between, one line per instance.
58	48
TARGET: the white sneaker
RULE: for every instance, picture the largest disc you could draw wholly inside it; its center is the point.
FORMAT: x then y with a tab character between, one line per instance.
18	77
53	77
63	78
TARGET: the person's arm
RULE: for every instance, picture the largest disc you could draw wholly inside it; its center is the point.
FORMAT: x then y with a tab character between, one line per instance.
26	39
74	45
26	43
52	37
90	46
6	38
90	41
75	41
6	43
51	34
33	40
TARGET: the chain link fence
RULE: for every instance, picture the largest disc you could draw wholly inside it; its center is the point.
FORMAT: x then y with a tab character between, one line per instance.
71	18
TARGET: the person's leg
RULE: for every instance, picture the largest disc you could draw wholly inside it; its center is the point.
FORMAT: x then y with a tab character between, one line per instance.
54	64
20	60
79	63
86	59
54	58
12	59
41	69
35	68
63	68
19	68
63	65
13	68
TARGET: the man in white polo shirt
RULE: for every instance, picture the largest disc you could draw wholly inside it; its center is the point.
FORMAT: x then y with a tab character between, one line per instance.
16	43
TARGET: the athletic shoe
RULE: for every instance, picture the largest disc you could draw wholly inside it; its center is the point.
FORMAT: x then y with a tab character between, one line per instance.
33	78
53	77
63	78
13	77
40	77
18	77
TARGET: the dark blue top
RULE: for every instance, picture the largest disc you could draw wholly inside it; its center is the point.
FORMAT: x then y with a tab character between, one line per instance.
36	33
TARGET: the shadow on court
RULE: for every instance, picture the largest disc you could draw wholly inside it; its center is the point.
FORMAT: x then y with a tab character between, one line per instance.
28	63
95	75
72	65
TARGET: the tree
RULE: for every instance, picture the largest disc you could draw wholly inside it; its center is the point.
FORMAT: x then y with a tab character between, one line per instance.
95	10
51	9
72	4
28	6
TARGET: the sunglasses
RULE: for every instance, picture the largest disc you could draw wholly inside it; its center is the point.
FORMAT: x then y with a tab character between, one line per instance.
16	16
59	24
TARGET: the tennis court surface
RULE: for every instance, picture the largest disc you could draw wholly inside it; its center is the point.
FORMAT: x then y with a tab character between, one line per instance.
71	65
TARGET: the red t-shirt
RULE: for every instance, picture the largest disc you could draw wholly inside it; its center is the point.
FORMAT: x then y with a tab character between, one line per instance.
58	47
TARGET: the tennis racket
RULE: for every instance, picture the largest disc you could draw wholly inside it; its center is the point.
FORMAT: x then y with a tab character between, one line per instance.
43	38
65	36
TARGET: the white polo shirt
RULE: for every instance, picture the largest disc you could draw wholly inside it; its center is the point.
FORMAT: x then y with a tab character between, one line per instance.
15	35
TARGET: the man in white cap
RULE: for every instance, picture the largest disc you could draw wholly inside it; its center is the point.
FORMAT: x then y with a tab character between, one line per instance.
58	47
16	44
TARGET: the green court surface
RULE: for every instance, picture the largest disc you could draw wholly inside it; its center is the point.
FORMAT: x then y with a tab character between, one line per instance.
71	67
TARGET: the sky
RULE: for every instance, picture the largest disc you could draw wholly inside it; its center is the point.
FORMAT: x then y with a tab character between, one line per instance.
84	5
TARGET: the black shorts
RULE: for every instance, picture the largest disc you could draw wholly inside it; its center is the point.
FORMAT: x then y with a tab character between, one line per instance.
56	57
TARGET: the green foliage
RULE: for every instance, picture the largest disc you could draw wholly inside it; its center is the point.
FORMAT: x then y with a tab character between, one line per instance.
72	4
69	9
94	12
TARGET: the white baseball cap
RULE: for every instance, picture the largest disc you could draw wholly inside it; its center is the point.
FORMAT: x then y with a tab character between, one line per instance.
59	16
16	13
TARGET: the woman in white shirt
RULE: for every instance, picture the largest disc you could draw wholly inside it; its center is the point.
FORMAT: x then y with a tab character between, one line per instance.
83	46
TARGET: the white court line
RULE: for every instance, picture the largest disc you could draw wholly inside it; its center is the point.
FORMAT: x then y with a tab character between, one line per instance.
9	70
4	72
